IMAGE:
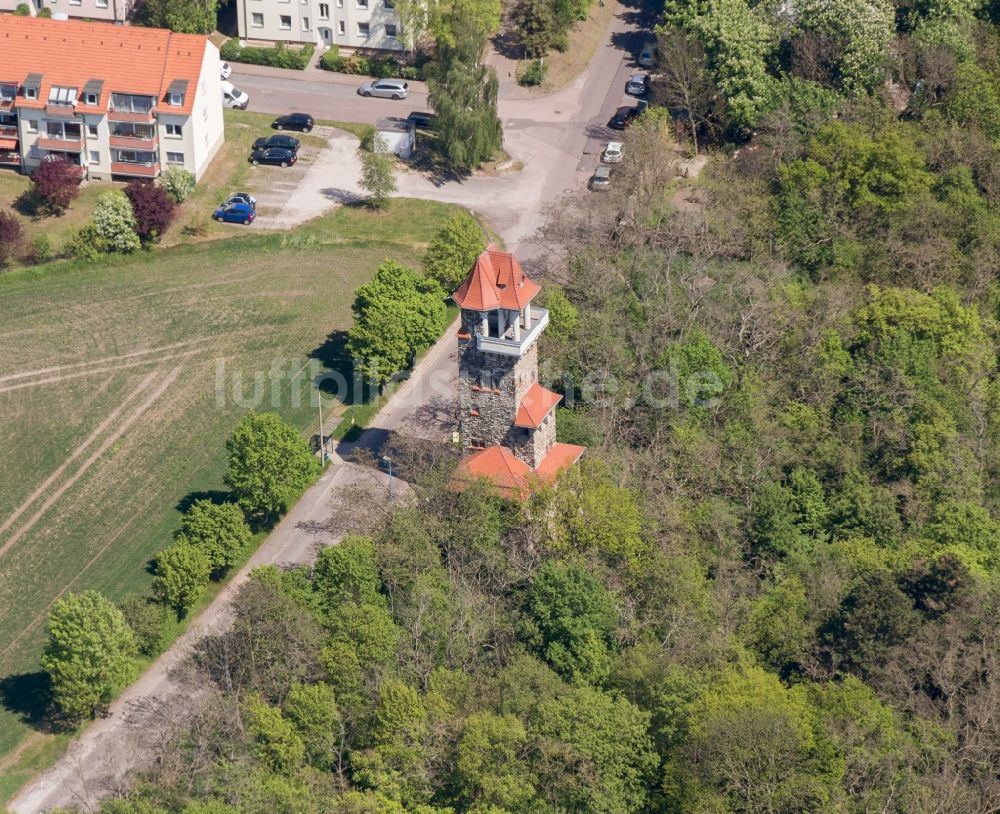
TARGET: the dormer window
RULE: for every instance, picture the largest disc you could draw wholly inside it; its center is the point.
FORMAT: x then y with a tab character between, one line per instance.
62	96
176	99
176	92
90	98
31	93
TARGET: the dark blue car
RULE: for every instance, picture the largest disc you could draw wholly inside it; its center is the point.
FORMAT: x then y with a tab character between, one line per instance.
236	213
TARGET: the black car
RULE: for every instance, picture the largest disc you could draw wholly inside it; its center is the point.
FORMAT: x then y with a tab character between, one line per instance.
294	121
274	155
623	117
420	120
288	142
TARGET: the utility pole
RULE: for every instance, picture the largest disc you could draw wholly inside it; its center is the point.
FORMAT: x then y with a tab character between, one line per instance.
322	441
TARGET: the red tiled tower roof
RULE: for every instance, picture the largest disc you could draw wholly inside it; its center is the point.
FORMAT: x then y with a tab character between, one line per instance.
499	466
536	404
496	281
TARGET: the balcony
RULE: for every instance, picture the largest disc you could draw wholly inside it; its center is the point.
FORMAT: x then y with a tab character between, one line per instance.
138	170
134	142
57	110
8	131
508	347
69	145
9	158
139	117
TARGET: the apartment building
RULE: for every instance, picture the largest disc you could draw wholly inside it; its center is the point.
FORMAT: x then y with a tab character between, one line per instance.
119	101
111	11
345	23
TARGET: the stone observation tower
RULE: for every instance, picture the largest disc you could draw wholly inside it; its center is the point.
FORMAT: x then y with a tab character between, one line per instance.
507	419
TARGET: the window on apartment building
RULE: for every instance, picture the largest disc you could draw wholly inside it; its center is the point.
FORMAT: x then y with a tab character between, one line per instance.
8	92
175	130
390	30
362	29
32	125
389	4
102	3
362	3
305	23
90	98
175	99
31	93
74	2
95	157
35	152
324	11
136	157
340	27
340	3
286	22
92	130
257	20
127	103
62	96
175	158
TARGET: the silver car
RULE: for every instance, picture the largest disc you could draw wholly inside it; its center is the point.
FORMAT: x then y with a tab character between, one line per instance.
386	88
638	84
601	179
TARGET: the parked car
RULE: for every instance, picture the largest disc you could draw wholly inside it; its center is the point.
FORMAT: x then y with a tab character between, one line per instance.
294	121
288	142
613	152
225	70
241	197
647	59
623	118
637	85
236	213
385	88
274	155
422	121
234	97
601	179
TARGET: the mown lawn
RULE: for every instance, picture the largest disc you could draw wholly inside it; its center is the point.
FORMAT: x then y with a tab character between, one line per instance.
119	385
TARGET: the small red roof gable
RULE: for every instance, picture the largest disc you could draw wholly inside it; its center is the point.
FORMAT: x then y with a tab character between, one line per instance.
495	281
560	458
499	466
535	406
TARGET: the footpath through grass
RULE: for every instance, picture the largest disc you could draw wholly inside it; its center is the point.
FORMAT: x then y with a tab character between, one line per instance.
119	385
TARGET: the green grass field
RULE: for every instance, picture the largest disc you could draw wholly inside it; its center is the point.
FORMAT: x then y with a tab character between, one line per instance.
108	388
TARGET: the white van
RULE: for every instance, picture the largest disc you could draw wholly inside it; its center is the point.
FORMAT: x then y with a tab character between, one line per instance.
234	97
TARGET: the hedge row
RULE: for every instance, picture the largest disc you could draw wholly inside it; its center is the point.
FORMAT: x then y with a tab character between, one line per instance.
362	65
279	56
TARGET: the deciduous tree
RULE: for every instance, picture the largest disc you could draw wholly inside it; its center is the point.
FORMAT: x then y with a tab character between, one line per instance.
89	653
453	250
218	529
153	208
55	185
182	572
115	223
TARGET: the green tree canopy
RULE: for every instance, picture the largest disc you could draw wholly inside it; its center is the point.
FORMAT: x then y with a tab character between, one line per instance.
270	463
219	529
453	250
182	572
88	654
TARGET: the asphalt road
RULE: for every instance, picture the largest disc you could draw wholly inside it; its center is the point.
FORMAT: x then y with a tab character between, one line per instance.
321	99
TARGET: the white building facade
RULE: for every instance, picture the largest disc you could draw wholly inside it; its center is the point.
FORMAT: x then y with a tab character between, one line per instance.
344	23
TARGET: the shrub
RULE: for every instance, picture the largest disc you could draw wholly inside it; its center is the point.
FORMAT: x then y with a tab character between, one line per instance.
55	185
148	620
153	209
45	13
278	56
178	183
87	244
10	235
332	60
22	10
115	223
534	74
40	250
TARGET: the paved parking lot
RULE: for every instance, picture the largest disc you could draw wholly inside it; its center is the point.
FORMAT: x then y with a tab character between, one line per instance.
321	179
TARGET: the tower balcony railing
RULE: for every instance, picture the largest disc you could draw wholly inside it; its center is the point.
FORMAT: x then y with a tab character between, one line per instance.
510	347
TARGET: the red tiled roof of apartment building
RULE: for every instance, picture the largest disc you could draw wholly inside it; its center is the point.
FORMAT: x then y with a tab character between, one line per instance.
126	59
535	405
495	281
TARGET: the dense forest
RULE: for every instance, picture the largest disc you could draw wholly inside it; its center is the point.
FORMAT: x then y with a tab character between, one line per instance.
772	583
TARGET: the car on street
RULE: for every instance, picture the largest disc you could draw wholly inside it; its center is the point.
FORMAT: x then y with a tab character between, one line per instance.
274	155
601	179
623	118
236	213
385	88
233	97
278	140
241	197
613	152
637	85
647	59
225	70
294	121
421	120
